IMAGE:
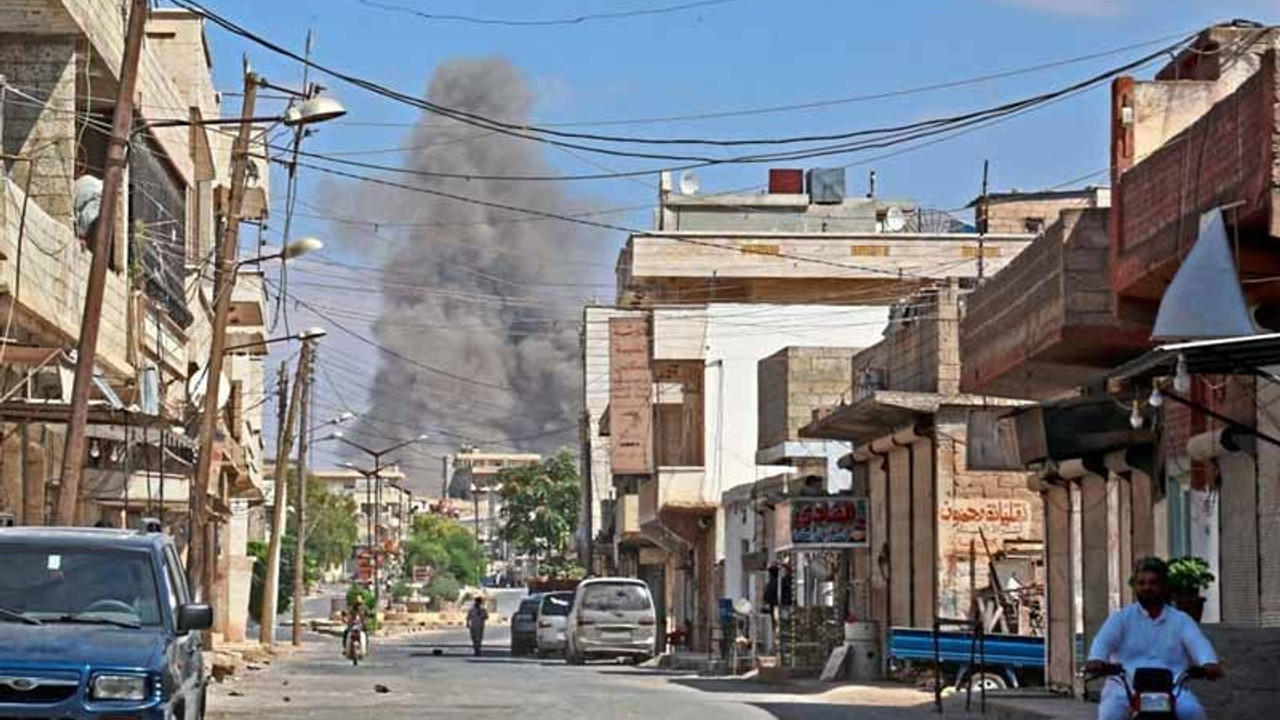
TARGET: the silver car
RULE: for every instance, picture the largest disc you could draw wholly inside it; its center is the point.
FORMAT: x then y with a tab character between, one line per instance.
611	618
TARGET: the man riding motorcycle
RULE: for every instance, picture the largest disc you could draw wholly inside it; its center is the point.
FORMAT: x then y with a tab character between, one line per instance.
355	616
1150	634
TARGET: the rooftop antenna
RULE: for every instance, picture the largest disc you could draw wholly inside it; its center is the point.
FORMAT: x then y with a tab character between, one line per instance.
871	191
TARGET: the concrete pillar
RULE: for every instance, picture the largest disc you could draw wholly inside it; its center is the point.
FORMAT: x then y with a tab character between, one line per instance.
1142	514
1059	591
899	503
1239	551
33	479
878	481
924	521
1095	554
1269	505
1117	541
11	472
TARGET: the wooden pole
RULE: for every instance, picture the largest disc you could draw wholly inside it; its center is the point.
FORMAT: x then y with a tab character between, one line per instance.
101	245
224	283
300	527
270	588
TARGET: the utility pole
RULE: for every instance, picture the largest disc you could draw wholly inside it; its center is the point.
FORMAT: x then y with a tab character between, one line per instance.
300	528
104	231
982	230
271	586
224	282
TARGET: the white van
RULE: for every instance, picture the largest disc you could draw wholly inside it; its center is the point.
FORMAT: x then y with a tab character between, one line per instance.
611	617
553	615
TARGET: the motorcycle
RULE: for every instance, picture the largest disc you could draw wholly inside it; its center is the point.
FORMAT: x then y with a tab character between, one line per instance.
356	644
1153	694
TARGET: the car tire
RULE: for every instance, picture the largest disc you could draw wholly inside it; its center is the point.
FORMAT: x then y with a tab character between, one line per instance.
992	681
572	657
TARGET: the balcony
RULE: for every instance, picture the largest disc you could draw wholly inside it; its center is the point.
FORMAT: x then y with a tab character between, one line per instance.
1044	325
674	490
50	285
820	268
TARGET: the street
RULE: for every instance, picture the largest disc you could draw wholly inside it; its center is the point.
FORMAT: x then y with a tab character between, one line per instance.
317	683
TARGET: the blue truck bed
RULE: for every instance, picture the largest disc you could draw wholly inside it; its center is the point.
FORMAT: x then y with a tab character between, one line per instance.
954	647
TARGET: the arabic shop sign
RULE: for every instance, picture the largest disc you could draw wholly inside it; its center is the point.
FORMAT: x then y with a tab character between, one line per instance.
824	523
994	517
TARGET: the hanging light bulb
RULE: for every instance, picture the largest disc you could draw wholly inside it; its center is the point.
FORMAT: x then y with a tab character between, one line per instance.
1136	419
116	453
1182	378
1157	397
95	452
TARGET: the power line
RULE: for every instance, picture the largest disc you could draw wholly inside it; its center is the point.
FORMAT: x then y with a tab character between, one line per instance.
546	22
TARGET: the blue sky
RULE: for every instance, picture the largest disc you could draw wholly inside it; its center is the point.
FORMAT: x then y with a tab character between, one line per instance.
739	54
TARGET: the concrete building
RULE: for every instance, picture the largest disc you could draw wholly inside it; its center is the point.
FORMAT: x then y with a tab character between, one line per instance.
385	505
1121	473
722	283
474	474
936	524
60	67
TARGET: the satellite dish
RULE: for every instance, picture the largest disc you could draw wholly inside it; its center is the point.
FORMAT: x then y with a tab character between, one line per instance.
894	220
742	606
689	183
197	383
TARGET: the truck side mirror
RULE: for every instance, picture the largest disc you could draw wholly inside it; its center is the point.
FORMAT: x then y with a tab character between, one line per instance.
194	618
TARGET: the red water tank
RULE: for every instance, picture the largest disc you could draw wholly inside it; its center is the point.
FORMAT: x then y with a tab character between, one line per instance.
786	181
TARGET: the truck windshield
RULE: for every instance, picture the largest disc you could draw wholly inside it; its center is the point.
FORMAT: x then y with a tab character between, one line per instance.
79	586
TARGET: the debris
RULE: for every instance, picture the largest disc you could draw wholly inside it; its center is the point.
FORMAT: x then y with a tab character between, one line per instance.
284	682
235	693
437	652
383	689
253	666
288	699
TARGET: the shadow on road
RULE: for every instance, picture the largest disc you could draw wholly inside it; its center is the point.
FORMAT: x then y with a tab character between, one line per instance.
747	687
840	711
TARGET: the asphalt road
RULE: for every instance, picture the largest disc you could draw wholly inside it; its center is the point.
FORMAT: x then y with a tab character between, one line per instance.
318	684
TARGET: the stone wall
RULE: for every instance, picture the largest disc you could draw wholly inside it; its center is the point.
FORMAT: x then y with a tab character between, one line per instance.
42	71
1251	689
794	382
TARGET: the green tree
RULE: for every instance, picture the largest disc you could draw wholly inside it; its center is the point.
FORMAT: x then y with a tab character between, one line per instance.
446	546
540	508
332	525
284	594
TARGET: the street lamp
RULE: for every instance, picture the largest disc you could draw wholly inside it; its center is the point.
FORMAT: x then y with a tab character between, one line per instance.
315	109
311	333
344	417
295	249
376	474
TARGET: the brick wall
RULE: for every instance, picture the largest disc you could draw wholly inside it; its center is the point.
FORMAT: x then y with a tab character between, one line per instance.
1225	157
793	383
959	487
921	348
45	69
1033	214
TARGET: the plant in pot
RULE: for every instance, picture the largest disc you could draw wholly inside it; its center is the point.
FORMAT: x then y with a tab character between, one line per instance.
1188	579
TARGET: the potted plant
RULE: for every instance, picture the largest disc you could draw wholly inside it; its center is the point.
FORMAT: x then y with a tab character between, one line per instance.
1188	579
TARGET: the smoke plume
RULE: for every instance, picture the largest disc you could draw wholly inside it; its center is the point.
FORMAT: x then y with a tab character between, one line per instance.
486	298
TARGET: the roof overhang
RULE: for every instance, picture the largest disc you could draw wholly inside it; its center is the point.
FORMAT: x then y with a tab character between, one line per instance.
884	412
1245	355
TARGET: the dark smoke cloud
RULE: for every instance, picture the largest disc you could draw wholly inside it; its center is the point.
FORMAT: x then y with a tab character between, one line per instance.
498	295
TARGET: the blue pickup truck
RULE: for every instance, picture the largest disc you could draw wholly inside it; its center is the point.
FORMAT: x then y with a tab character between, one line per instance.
1011	660
96	624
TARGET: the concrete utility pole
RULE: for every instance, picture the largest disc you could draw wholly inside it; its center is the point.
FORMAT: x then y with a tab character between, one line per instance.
271	586
200	557
300	531
104	230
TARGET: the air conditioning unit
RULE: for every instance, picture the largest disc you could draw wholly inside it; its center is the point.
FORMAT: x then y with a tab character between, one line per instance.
826	186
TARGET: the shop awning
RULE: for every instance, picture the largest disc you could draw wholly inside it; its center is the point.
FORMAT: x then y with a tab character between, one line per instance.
884	412
1244	355
1075	428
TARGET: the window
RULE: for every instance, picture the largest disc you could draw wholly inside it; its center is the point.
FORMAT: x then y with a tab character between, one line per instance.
613	597
179	593
80	586
559	604
1034	225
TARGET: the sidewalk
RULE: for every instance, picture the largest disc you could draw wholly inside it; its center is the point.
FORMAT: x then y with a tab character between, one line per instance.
1016	705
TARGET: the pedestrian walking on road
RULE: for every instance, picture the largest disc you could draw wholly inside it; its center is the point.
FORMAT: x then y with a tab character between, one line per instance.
477	616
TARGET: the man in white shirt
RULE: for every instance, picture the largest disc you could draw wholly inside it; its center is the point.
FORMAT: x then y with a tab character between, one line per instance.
1150	633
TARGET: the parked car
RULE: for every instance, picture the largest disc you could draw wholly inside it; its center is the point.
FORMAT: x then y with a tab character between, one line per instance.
553	612
611	618
524	626
98	623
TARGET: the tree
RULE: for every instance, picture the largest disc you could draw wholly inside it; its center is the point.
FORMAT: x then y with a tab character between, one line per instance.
540	507
284	591
332	525
446	546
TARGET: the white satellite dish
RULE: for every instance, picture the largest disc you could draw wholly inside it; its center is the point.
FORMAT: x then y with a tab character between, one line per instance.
894	220
742	606
689	183
197	383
